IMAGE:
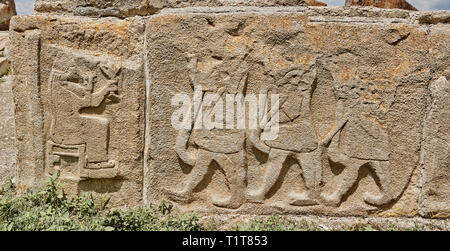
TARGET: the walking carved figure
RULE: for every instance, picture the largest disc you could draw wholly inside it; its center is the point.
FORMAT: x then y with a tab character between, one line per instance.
296	138
71	129
360	138
225	148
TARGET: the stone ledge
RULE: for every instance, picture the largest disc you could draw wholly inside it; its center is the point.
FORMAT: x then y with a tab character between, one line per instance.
338	14
121	8
315	14
329	223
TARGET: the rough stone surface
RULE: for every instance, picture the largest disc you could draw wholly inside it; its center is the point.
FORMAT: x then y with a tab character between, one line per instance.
4	39
4	63
351	132
227	222
79	94
7	10
120	8
8	151
315	3
385	4
363	98
435	197
433	17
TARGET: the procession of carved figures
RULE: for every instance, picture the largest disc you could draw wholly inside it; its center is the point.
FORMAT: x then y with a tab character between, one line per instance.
361	109
78	139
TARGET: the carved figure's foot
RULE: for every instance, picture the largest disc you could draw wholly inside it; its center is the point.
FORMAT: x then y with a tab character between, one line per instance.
279	205
331	199
102	165
255	197
109	164
301	199
179	196
377	200
230	202
54	159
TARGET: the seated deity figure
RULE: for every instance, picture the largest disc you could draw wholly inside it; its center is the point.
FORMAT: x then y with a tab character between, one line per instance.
71	92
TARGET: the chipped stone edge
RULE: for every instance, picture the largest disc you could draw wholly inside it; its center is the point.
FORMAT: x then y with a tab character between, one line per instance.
339	13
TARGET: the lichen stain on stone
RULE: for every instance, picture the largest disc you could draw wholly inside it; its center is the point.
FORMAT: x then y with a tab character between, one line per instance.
173	20
346	74
403	67
304	59
121	29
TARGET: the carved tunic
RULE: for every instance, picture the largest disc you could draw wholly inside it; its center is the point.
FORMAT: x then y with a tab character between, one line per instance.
361	131
296	130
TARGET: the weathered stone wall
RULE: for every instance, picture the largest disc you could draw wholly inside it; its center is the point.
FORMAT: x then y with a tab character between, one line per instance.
363	100
372	163
80	93
120	8
8	151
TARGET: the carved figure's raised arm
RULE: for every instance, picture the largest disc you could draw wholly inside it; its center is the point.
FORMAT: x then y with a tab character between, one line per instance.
263	121
337	128
98	97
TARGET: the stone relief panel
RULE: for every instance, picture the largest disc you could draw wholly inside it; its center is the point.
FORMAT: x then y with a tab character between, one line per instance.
242	112
229	78
350	110
79	131
90	103
436	139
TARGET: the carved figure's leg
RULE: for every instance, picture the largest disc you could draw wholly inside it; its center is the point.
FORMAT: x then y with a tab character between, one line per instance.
96	130
272	173
311	164
381	169
235	166
334	153
196	176
349	175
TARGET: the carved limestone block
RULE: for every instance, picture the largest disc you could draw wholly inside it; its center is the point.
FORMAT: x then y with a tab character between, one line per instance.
79	93
350	110
122	8
7	10
236	109
8	150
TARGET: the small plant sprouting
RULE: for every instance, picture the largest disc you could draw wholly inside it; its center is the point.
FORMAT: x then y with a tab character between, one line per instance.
49	209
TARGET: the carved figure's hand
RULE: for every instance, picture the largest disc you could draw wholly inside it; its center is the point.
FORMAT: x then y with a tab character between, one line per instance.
324	142
257	143
181	147
112	86
89	82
